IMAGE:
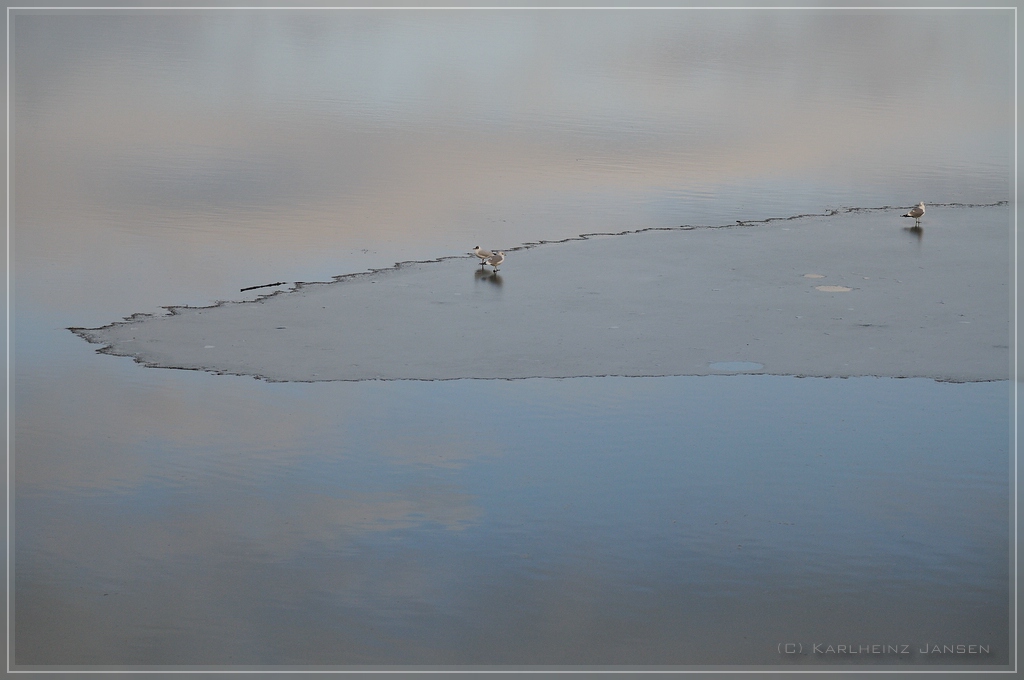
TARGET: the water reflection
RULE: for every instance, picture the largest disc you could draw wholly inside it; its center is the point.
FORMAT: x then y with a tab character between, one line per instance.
489	276
550	515
199	148
917	231
174	517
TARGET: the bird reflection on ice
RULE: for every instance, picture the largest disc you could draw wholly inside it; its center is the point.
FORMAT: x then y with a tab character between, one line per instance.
489	276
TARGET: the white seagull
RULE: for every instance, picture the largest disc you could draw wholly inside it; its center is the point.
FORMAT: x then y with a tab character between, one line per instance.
482	254
495	260
916	212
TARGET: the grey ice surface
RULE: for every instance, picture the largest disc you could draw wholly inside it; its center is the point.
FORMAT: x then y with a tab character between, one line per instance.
931	303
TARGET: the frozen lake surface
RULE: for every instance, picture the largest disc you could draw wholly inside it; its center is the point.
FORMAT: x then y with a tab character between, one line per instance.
664	302
705	506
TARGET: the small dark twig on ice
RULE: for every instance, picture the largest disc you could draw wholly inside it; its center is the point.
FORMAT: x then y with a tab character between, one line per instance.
265	285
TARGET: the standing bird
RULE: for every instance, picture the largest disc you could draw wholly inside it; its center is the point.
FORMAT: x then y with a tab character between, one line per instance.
495	260
916	212
482	254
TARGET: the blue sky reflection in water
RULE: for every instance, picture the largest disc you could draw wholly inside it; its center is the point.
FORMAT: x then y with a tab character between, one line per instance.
605	520
172	517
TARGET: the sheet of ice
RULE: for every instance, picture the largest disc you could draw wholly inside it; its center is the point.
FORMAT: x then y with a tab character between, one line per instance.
884	300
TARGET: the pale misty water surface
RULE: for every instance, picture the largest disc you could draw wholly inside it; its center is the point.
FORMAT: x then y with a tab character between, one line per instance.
170	517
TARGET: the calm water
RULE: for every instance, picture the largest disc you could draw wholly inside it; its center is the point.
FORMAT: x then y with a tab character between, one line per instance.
165	517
